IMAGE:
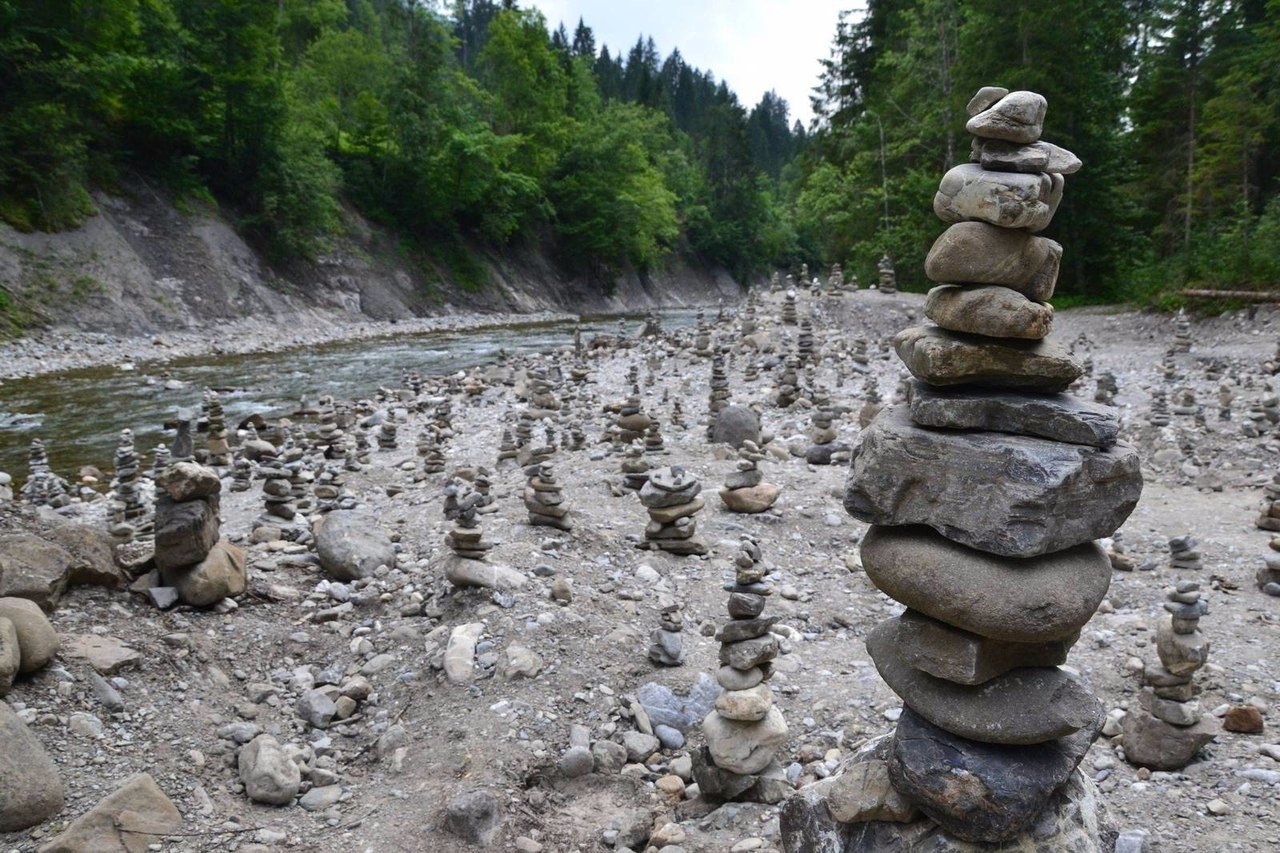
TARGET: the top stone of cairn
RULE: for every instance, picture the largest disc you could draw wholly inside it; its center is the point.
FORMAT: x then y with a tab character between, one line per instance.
1016	117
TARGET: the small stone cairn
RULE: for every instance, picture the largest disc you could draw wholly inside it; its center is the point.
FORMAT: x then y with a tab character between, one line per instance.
835	282
160	460
702	336
1181	332
433	461
1168	729
465	539
789	308
1159	414
1106	388
241	475
387	432
632	421
872	402
745	490
543	498
128	508
1185	405
859	356
190	556
720	394
1269	519
635	468
666	643
654	445
746	730
1226	396
277	493
183	448
788	383
507	449
671	498
1183	554
43	487
804	343
998	578
216	436
823	448
1268	577
888	281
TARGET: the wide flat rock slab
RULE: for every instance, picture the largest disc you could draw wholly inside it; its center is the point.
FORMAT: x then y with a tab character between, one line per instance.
1011	495
1038	600
942	357
1024	706
980	791
1057	417
963	657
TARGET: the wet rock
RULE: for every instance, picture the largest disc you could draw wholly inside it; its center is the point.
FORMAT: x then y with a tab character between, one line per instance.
1057	417
268	774
1004	494
129	819
30	789
351	544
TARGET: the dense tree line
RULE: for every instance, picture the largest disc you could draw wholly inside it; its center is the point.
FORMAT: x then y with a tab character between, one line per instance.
1174	106
466	125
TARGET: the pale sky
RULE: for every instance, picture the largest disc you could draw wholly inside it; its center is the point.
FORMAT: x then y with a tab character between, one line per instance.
753	45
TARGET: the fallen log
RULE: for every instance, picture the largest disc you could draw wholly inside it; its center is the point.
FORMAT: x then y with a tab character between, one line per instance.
1244	295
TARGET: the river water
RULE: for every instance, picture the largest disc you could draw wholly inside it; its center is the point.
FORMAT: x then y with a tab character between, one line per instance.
79	414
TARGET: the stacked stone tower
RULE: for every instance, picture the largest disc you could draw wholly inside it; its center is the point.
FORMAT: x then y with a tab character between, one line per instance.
985	492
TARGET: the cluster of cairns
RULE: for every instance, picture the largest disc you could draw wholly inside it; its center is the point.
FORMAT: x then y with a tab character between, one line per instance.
1169	728
745	730
543	498
194	564
745	490
670	495
130	515
43	487
997	588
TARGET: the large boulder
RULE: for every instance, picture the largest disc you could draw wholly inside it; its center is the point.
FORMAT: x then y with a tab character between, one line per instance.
185	532
37	641
735	425
1011	495
30	789
351	544
42	554
130	819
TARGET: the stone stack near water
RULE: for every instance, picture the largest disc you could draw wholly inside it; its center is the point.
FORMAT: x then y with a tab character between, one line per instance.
190	556
985	492
128	509
216	431
789	308
543	498
746	730
1169	728
466	539
671	497
43	487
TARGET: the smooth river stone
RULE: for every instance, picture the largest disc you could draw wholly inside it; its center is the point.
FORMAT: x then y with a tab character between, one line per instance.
979	791
988	310
1008	199
1011	495
999	156
948	652
1017	117
1025	706
1057	417
942	357
1039	600
985	97
978	253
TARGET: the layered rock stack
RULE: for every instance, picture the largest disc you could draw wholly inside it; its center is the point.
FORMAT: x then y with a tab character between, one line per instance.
702	337
128	509
277	494
888	281
183	448
789	308
1159	414
507	449
241	475
387	430
160	460
666	643
1181	332
1184	404
635	468
671	497
43	487
654	445
823	447
466	539
543	498
1226	396
1106	389
1183	554
835	282
632	421
746	730
748	324
331	437
745	490
216	431
190	556
677	415
985	493
543	402
860	356
804	343
719	391
1269	519
1268	576
751	373
1168	729
872	402
429	450
788	383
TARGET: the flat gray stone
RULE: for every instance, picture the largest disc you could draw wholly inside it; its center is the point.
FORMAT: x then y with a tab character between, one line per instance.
1017	117
1057	417
947	652
1011	495
980	792
970	193
1037	600
1000	156
942	357
989	310
1153	743
1024	706
978	253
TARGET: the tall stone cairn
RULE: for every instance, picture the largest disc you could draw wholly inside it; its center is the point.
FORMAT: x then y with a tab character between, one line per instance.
129	511
216	436
985	492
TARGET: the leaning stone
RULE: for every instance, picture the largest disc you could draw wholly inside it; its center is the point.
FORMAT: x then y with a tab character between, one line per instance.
1039	600
30	789
985	97
132	818
1000	156
1057	417
863	791
744	748
961	657
1024	706
970	193
1005	494
978	253
351	544
942	357
463	572
979	791
1017	117
269	775
1153	743
988	310
460	653
37	641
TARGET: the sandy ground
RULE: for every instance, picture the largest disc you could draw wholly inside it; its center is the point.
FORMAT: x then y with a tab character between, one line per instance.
198	669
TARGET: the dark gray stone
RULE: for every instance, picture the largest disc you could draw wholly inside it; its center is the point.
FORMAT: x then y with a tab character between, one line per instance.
1000	156
825	454
979	791
735	425
947	652
1015	496
942	357
1057	417
352	544
473	816
185	532
1024	706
